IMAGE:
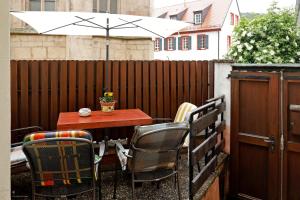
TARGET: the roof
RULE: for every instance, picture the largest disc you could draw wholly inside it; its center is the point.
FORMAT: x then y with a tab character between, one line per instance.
213	11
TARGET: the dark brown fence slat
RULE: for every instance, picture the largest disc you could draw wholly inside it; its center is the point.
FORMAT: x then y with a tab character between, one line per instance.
193	83
99	81
130	82
34	97
173	83
72	69
123	85
14	94
180	99
160	90
115	81
146	91
211	79
90	90
186	80
40	90
45	95
204	121
204	81
81	84
153	104
166	83
138	84
63	86
24	103
53	93
199	83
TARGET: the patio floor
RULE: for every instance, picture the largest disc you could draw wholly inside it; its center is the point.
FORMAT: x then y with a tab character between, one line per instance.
22	185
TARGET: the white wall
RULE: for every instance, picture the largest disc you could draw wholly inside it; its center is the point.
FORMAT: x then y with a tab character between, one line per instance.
194	53
223	86
227	29
4	102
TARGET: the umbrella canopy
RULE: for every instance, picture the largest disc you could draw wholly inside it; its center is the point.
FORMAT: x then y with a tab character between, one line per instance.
102	24
84	23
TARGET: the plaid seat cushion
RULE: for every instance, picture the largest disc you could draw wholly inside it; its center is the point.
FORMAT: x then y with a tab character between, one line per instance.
57	134
60	162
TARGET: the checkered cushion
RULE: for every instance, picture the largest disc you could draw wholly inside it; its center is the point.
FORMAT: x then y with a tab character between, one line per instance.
60	158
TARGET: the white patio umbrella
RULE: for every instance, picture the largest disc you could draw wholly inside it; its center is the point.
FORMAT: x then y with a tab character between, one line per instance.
102	24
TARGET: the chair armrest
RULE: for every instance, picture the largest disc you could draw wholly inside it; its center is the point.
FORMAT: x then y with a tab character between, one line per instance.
101	152
16	144
120	148
161	120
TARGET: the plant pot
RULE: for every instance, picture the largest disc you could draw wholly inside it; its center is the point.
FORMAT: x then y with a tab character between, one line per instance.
107	106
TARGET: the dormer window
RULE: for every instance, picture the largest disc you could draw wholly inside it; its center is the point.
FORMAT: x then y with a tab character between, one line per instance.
173	17
198	17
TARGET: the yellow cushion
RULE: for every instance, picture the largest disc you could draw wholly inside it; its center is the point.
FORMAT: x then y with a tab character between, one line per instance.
183	110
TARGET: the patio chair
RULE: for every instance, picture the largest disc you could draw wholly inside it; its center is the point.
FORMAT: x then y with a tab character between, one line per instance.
153	153
63	163
17	157
182	115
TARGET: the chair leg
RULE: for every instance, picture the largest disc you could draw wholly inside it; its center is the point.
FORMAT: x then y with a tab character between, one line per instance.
178	186
132	185
115	182
99	183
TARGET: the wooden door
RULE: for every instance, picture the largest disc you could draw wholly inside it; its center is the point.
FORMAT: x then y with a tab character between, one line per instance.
291	169
254	169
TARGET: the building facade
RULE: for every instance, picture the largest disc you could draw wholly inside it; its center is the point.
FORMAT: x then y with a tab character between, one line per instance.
208	37
26	44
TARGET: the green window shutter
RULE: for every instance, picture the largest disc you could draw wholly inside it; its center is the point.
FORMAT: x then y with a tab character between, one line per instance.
198	42
166	44
206	41
160	44
179	43
190	42
174	43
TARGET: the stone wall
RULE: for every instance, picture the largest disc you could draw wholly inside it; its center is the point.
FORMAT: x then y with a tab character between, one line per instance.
25	44
42	47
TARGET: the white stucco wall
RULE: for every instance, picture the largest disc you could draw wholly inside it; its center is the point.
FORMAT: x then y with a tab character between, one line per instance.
4	102
227	29
194	53
223	87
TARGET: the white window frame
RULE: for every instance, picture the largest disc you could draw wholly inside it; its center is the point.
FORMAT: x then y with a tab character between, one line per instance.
170	44
156	45
185	43
173	17
203	42
198	18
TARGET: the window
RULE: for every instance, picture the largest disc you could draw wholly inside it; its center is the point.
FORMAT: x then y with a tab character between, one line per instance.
198	17
157	44
228	42
173	17
170	44
231	19
202	42
102	6
237	19
185	43
39	5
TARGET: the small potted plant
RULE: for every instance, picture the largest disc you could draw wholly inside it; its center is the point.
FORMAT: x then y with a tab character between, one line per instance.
107	102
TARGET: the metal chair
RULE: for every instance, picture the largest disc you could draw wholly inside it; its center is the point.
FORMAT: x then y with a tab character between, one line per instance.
153	153
17	157
63	163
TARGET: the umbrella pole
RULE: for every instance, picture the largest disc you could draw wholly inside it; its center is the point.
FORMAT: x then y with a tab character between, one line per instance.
105	88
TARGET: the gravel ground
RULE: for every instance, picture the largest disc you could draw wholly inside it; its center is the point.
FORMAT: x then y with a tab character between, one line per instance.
21	184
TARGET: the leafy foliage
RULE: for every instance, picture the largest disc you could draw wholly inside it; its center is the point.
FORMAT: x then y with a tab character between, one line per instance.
270	38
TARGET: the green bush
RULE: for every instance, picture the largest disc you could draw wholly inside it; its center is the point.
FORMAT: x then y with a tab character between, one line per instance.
270	38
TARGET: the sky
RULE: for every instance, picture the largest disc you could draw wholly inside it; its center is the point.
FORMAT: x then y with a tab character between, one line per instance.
259	6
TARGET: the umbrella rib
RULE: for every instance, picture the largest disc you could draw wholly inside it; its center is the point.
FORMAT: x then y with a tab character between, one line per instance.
89	26
125	23
87	20
73	23
142	28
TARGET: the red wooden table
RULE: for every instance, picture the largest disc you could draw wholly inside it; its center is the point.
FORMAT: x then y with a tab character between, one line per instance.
98	119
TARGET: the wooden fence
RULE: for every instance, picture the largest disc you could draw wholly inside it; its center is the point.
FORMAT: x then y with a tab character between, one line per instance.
42	89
